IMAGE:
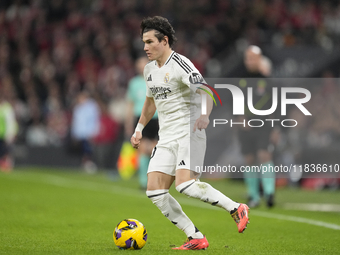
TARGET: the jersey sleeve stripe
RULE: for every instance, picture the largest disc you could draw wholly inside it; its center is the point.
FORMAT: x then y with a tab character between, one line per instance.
187	65
179	63
184	63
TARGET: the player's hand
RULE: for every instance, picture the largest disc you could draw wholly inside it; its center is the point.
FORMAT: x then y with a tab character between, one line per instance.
201	123
135	139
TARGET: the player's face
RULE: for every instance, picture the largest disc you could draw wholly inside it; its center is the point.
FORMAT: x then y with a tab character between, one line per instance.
154	49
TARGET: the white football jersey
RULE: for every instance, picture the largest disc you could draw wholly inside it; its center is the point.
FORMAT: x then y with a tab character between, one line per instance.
173	87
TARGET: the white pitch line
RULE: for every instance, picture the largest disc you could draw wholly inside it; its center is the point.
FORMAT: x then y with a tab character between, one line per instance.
296	219
88	185
313	207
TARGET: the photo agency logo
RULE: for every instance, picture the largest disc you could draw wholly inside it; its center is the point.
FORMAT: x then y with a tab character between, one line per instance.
204	97
244	106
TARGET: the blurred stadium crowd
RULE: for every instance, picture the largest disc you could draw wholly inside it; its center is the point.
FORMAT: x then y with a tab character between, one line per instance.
51	50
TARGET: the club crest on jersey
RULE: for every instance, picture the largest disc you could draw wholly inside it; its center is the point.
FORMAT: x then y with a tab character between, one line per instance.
167	78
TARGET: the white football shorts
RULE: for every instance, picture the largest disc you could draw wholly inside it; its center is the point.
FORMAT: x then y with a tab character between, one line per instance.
184	153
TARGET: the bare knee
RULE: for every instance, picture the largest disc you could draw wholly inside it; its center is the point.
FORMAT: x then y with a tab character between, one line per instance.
159	180
184	175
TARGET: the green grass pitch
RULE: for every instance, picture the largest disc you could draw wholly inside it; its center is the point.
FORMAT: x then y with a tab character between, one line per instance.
48	211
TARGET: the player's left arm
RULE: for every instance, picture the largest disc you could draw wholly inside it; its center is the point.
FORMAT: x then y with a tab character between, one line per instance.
195	81
203	121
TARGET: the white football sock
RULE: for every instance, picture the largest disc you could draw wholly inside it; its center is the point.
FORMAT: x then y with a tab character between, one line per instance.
173	211
206	193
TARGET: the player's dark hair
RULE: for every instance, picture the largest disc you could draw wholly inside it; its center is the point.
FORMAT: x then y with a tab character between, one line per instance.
161	26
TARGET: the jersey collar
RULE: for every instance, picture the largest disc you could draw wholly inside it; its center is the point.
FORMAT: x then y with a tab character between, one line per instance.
169	57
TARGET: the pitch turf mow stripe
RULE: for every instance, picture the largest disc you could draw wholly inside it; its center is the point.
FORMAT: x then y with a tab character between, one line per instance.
88	185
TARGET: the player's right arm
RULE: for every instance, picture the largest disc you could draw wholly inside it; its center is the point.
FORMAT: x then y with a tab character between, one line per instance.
149	109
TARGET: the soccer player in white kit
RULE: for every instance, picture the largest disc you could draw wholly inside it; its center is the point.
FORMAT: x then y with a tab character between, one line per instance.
173	89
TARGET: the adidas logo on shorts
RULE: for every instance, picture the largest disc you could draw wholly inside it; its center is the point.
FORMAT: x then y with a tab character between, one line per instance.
182	163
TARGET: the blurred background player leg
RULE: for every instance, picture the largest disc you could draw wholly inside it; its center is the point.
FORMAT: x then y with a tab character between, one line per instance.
256	144
148	143
267	176
8	131
268	184
257	150
5	161
136	96
264	149
85	126
251	177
